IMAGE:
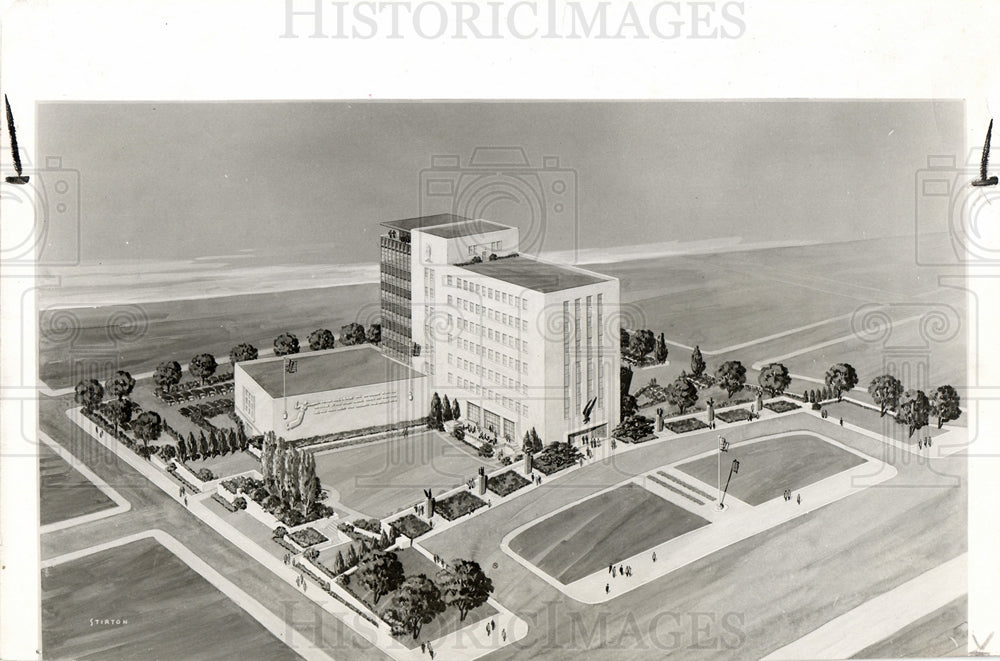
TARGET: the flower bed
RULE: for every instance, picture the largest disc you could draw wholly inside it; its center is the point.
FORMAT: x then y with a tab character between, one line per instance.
781	406
373	526
555	458
685	425
225	503
506	483
411	526
306	537
457	505
733	415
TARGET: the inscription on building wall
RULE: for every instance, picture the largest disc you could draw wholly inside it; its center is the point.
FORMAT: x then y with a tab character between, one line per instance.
358	401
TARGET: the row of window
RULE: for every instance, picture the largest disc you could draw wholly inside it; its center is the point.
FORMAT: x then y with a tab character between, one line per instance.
488	333
491	314
489	292
496	377
482	391
495	246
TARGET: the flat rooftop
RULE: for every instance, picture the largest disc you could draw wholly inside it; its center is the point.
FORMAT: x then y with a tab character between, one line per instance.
535	275
319	371
467	228
425	222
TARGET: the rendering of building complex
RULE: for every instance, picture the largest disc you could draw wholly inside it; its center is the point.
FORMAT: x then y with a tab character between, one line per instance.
520	342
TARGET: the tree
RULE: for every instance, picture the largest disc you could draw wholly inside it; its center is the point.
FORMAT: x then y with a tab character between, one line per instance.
682	393
120	385
381	572
626	379
89	394
352	333
661	349
697	362
527	445
147	427
286	344
182	453
338	564
203	446
352	556
374	335
731	376
242	352
841	378
203	366
321	338
120	412
446	413
536	441
626	341
945	404
167	374
642	343
416	602
914	410
885	391
192	446
456	412
465	586
629	406
434	419
774	378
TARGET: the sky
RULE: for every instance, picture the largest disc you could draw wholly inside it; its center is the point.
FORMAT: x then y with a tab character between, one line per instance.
306	182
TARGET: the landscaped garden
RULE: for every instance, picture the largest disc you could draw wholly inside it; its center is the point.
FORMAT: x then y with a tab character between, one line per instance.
781	406
506	483
685	425
458	505
307	537
411	525
768	467
555	457
604	529
733	415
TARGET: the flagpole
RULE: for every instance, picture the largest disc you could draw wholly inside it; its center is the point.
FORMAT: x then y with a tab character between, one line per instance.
284	400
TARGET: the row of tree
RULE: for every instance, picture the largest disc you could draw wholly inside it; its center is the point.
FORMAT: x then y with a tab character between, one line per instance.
323	338
289	474
218	442
638	344
913	407
89	394
417	600
442	412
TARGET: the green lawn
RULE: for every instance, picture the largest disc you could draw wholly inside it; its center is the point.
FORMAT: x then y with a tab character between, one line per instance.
227	464
602	530
945	632
171	611
414	563
383	477
65	492
769	467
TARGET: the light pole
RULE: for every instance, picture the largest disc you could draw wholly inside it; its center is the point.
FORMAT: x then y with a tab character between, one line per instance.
723	447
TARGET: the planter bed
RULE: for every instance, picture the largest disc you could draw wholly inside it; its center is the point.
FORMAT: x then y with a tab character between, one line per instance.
458	505
733	415
411	526
225	503
307	537
781	406
506	483
552	460
685	425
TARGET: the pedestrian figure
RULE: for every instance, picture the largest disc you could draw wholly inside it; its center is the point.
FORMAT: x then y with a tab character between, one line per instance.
798	498
614	572
654	556
611	569
621	569
928	441
920	443
842	421
185	501
423	648
493	624
607	588
503	634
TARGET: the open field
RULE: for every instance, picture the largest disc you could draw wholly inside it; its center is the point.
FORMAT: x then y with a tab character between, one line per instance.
382	477
171	611
769	291
177	330
65	492
943	633
602	530
414	563
769	467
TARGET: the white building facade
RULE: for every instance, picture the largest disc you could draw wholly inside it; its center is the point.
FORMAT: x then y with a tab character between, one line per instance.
521	343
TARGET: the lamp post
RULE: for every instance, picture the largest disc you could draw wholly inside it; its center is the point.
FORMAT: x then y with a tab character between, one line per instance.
723	447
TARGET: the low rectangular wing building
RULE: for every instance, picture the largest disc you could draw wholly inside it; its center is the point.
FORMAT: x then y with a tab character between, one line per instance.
326	392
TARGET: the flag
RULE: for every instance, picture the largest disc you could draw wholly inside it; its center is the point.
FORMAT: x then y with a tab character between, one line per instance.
723	445
291	366
736	466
